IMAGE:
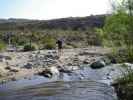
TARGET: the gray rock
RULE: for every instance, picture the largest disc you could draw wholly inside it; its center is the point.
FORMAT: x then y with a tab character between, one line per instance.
73	68
49	72
46	73
28	66
98	64
13	79
65	70
51	56
106	60
68	69
12	69
86	61
8	57
8	68
4	58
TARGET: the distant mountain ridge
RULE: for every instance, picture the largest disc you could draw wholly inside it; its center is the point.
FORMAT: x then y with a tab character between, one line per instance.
73	23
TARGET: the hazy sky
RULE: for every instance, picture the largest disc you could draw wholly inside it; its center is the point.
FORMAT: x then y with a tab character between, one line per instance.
49	9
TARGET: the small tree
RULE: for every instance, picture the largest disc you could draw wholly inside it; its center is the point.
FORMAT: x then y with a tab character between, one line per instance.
118	32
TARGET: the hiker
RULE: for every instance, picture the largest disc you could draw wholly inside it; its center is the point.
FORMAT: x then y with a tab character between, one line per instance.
59	44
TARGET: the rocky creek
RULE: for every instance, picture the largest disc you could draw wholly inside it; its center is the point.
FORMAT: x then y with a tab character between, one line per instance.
80	75
82	84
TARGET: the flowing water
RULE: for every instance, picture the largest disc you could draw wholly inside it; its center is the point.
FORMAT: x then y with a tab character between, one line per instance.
77	90
75	86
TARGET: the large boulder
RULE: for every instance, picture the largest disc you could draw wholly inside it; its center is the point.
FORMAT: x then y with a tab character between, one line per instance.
98	64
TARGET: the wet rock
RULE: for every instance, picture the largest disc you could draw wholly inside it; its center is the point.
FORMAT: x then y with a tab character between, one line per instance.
7	68
107	74
8	57
69	69
65	70
51	56
5	57
54	70
2	60
86	61
13	79
98	64
70	64
32	56
25	77
113	61
45	73
49	72
109	77
112	69
73	68
106	60
12	69
28	66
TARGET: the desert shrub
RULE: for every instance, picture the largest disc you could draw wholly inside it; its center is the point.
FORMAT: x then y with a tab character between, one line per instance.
49	42
29	47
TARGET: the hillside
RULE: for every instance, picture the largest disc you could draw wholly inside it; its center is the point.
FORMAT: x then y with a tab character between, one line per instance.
73	23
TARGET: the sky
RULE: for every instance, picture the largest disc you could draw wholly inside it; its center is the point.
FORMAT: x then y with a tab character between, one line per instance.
52	9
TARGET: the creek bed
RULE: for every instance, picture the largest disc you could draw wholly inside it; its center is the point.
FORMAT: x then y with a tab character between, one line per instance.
59	90
75	86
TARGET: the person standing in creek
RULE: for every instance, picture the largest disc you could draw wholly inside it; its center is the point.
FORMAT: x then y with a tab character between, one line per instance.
59	43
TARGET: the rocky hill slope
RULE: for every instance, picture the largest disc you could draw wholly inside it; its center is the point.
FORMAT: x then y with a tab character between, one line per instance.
63	23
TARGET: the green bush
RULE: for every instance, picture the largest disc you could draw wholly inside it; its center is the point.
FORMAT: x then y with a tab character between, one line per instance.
117	34
2	46
29	47
123	54
49	46
49	42
124	85
116	30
